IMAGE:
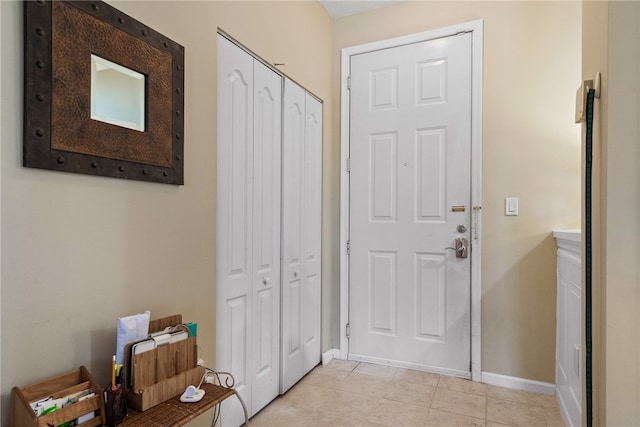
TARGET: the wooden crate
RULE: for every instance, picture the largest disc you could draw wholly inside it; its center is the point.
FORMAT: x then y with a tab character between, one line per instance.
151	395
164	372
165	322
63	385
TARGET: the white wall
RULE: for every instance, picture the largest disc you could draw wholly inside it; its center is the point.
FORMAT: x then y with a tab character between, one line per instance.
117	97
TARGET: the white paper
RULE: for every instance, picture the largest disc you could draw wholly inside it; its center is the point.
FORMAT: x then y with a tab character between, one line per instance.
131	328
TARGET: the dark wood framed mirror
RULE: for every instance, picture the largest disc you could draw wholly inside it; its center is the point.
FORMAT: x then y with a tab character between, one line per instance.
103	93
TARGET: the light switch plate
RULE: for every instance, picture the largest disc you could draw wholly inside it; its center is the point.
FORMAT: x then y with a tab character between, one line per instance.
511	206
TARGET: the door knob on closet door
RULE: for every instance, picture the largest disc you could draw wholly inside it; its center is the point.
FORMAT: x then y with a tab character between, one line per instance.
266	280
296	272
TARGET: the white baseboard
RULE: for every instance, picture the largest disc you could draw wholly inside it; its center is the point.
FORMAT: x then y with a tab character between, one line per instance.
518	383
329	355
409	365
499	380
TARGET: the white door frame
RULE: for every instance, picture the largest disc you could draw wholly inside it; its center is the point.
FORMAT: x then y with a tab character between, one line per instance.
476	28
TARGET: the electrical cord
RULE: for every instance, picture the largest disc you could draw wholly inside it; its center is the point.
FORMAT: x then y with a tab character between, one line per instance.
229	382
215	416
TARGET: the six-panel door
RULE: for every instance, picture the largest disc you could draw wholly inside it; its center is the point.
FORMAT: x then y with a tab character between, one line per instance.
410	191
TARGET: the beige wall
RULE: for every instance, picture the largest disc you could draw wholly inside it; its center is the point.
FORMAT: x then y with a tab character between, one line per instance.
594	59
1	102
623	211
79	251
611	45
531	150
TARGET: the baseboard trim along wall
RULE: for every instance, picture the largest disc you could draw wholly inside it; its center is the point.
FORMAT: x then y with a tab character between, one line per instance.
518	383
329	355
490	378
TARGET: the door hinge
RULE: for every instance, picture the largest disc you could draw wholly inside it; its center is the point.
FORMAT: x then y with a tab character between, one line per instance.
348	247
348	82
348	164
348	330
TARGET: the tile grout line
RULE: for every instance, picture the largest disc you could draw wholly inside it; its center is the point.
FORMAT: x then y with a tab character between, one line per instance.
486	407
439	385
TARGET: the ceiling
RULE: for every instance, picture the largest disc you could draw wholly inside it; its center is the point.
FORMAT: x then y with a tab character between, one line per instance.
341	8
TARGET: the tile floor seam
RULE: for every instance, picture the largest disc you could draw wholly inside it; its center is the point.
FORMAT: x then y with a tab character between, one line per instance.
486	410
512	407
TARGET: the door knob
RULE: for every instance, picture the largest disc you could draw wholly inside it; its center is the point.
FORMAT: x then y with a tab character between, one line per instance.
461	247
265	281
296	272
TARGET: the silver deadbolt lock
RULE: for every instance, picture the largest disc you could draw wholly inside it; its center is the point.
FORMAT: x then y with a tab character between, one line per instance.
461	228
461	247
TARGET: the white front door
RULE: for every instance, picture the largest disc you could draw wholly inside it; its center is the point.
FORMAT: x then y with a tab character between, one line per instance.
410	198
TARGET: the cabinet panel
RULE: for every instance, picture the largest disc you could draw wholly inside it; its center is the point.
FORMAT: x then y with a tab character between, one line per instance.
568	334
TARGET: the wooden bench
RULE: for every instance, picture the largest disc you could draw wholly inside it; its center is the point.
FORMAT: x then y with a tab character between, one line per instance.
173	412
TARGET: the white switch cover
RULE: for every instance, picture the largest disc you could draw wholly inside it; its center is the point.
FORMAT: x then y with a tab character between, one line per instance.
511	206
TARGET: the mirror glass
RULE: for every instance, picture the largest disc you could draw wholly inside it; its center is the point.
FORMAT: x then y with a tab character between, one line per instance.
117	94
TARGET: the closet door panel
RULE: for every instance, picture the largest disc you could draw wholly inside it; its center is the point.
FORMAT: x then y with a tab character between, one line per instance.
266	232
234	209
292	357
313	225
301	231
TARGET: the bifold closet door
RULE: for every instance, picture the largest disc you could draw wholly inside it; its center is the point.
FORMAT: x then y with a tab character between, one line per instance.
301	233
248	228
267	155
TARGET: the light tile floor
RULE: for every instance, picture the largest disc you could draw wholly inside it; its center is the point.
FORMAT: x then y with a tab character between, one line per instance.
346	393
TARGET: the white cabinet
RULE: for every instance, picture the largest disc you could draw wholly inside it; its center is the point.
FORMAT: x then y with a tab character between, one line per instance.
268	220
301	233
568	335
248	227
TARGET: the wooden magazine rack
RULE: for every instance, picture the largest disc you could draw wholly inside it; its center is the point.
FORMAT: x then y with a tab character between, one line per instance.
61	386
163	372
159	377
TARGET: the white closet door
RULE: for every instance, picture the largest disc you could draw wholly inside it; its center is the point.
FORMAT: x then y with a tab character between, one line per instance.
248	228
301	212
234	236
312	212
292	233
267	144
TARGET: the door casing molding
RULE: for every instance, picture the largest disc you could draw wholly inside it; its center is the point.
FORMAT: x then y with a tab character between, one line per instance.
476	28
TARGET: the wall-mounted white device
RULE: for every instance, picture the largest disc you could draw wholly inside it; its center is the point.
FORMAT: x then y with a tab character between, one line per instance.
511	206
